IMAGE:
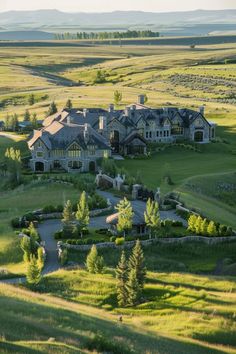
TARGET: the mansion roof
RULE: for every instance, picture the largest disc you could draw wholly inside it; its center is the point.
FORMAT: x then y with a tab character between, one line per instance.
60	135
129	117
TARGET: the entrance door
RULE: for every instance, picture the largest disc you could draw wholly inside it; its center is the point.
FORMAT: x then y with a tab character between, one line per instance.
198	136
115	141
39	166
92	166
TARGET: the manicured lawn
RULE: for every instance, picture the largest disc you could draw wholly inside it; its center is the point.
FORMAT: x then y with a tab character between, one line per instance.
17	203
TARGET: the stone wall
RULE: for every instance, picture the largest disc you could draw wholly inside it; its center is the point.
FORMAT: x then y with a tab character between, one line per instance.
130	244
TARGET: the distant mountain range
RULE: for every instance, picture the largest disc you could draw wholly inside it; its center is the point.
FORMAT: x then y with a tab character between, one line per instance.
55	17
41	24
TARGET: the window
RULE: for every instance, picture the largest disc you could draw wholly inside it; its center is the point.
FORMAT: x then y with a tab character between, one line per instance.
147	135
74	151
92	149
167	133
157	133
164	133
39	153
160	133
177	130
105	154
58	153
150	134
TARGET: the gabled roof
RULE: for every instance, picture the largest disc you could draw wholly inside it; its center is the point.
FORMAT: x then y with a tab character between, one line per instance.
132	136
60	135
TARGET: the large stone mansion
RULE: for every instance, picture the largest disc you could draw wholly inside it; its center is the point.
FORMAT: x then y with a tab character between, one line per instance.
75	139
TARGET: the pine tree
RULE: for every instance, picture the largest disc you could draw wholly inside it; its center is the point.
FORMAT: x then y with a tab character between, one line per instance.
25	245
133	288
33	120
117	97
125	216
40	258
67	219
152	216
52	109
192	222
198	225
99	265
136	262
27	116
122	277
204	226
33	274
67	213
82	214
69	104
211	229
91	259
31	99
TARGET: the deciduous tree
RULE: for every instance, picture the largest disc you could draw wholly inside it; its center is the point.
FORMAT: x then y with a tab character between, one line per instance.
152	216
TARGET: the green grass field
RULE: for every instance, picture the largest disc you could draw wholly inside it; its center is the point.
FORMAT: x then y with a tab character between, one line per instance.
42	323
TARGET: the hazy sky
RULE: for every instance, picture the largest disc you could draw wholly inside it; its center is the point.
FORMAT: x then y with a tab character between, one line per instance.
111	5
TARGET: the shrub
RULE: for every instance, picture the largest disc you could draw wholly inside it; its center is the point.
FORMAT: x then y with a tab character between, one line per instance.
58	235
104	345
119	241
49	209
64	257
177	223
112	238
16	223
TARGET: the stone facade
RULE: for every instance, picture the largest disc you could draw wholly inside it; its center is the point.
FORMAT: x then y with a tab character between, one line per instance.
75	139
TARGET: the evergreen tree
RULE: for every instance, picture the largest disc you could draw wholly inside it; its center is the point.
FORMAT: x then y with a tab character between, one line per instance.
122	277
136	262
152	216
100	77
198	225
204	226
52	109
67	219
33	274
33	120
13	163
117	97
82	214
192	222
27	116
125	216
99	265
134	293
31	99
14	122
69	104
40	258
94	262
211	229
25	245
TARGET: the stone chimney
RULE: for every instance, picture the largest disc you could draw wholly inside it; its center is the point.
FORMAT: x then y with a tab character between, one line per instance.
202	110
102	123
85	112
133	107
111	108
86	133
141	99
127	111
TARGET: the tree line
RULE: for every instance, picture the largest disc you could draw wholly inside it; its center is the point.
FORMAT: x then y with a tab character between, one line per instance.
107	35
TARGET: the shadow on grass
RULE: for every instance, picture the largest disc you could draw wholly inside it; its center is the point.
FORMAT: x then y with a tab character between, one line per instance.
24	320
